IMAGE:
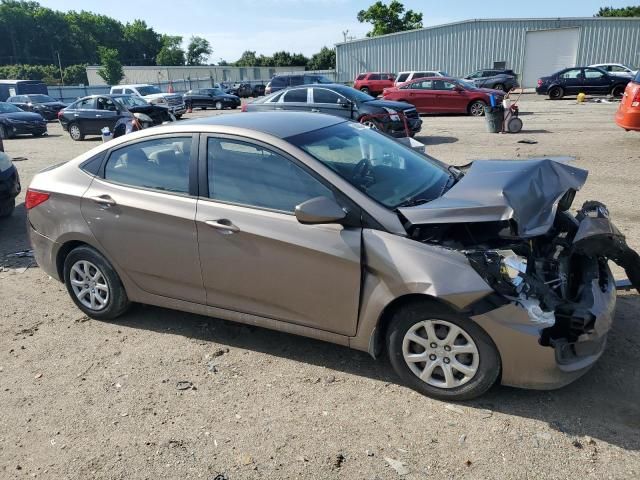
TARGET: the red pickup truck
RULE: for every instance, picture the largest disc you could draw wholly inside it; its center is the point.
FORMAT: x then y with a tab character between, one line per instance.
373	83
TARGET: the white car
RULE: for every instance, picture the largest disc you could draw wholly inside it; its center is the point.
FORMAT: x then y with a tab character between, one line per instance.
404	77
616	69
152	94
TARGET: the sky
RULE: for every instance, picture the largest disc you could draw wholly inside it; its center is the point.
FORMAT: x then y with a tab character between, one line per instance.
304	26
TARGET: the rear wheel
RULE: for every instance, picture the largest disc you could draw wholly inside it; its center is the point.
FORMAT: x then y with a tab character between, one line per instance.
442	355
4	134
218	105
556	93
617	91
476	109
93	284
75	132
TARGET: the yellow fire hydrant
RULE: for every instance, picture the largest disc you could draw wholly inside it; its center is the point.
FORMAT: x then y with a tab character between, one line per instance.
581	97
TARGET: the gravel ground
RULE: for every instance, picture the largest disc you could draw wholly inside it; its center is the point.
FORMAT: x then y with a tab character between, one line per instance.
164	394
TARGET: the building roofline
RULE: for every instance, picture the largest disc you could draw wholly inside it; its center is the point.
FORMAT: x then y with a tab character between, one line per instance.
491	20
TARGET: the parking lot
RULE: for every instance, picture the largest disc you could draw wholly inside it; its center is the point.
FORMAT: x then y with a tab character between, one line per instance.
166	394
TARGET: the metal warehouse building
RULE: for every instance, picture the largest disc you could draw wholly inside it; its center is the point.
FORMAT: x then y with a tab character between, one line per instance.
531	47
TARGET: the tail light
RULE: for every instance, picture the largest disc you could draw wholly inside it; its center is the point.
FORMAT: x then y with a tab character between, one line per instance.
35	198
635	102
244	107
59	114
539	82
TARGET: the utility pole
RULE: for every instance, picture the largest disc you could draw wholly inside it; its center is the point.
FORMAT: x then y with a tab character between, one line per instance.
344	34
60	65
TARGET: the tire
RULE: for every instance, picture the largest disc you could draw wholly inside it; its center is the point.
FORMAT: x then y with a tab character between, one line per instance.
482	366
75	132
476	109
500	87
7	208
372	124
556	93
105	279
178	117
218	105
617	91
3	133
365	90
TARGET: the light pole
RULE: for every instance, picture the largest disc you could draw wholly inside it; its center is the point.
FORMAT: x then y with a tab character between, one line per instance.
60	65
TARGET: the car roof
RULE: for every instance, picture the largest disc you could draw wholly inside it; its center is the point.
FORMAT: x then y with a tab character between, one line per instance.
278	124
133	85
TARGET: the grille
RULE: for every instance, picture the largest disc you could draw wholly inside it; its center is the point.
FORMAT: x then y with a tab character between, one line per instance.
174	100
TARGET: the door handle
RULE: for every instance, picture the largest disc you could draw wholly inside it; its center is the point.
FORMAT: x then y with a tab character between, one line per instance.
104	200
98	115
278	108
224	225
317	110
76	114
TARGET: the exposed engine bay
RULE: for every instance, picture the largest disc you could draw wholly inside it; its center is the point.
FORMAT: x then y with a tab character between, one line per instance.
555	276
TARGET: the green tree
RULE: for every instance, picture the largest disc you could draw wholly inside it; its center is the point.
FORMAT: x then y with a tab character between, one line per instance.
142	43
198	51
223	63
171	52
111	68
389	18
325	59
629	11
247	59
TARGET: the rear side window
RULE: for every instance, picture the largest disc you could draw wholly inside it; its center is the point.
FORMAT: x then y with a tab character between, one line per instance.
250	175
374	76
419	75
92	166
161	164
116	90
297	80
299	95
362	76
86	104
129	91
402	77
571	74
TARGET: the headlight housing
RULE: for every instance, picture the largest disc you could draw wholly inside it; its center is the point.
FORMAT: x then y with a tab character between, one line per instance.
5	162
161	100
393	115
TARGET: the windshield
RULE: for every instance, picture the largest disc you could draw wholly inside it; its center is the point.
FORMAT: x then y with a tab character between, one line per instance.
467	85
41	98
375	164
150	90
131	101
8	108
355	95
215	91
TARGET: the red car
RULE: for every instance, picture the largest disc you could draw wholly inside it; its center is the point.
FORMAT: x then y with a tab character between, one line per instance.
628	116
374	83
443	95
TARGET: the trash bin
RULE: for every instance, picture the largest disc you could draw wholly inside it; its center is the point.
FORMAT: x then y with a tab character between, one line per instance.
494	117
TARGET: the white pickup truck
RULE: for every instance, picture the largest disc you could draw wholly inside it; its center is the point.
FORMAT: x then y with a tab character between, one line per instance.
152	94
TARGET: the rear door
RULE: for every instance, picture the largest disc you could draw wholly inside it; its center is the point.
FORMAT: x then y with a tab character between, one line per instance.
256	257
422	96
142	211
106	114
85	116
295	99
572	81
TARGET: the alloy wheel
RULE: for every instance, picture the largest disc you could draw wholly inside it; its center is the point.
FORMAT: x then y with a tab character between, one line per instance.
440	353
74	131
218	105
89	285
370	124
477	109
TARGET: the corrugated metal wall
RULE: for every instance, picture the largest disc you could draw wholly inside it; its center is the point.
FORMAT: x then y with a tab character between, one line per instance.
164	74
461	48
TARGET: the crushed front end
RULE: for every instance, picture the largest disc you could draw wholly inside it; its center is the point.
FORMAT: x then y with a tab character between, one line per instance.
554	295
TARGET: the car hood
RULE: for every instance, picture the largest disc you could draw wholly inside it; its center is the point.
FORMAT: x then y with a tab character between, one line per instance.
526	191
53	104
23	116
390	104
147	109
489	91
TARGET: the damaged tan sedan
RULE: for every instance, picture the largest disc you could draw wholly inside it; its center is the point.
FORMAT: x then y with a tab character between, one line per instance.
317	226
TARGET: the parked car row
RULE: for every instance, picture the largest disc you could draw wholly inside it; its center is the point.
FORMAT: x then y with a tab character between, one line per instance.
588	80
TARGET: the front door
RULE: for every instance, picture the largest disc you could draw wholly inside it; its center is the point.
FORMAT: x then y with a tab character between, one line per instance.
572	81
422	96
143	214
596	81
448	98
107	114
256	257
327	101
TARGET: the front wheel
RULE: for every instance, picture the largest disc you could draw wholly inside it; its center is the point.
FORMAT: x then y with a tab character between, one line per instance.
93	284
4	134
442	355
365	90
617	91
476	109
500	87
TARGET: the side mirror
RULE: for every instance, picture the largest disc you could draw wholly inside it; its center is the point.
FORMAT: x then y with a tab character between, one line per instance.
458	88
344	103
319	210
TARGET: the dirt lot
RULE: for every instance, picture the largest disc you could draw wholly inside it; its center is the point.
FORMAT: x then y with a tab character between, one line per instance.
86	399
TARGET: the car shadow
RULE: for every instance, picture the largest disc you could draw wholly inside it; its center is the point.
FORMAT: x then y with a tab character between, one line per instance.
599	405
524	130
